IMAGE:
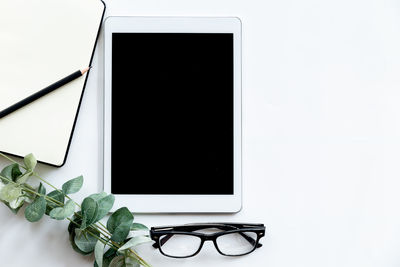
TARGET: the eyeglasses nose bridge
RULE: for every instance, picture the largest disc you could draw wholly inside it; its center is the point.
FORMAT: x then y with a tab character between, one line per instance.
208	238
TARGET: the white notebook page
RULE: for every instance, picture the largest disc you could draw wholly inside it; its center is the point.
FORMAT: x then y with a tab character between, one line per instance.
42	41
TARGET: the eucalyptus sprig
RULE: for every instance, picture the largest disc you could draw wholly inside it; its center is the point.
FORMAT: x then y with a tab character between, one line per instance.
113	244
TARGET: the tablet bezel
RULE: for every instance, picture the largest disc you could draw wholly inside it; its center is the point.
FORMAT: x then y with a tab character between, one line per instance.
140	203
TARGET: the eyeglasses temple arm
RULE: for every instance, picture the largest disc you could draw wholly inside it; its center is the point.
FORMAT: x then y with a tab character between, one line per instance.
162	241
248	238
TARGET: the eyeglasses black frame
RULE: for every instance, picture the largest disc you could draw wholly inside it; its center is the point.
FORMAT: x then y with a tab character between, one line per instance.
156	234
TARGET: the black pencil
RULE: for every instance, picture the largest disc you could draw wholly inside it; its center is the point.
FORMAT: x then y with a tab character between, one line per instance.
43	92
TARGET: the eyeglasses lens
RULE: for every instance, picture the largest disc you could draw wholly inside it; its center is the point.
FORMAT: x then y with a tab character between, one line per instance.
235	244
178	245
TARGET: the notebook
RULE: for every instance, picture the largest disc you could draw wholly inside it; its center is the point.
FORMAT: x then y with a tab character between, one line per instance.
41	42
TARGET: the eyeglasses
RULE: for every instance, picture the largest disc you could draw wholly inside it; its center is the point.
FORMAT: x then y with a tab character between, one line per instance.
231	239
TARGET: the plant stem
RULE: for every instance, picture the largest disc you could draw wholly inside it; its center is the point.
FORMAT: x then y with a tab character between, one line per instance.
49	199
142	261
111	243
10	159
32	191
104	241
103	231
55	188
40	178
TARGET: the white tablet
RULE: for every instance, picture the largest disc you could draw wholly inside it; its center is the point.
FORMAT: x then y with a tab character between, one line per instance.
172	129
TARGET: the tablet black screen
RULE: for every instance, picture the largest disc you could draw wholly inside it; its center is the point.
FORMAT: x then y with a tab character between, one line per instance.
172	113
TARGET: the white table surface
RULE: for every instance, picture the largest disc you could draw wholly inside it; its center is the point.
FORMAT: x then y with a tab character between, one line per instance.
321	138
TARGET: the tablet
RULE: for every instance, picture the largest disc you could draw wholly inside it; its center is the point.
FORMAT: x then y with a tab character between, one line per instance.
172	128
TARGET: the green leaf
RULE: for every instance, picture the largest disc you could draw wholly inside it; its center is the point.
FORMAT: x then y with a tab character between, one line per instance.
135	241
119	224
10	192
22	179
17	203
71	230
98	253
118	261
98	196
62	213
131	262
73	185
30	162
139	227
11	172
89	212
84	241
105	204
35	211
15	211
29	195
56	195
108	257
41	190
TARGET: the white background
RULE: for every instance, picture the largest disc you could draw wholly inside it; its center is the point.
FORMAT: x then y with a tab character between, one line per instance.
321	138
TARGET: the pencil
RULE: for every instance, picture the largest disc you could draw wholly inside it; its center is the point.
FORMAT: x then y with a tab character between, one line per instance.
43	92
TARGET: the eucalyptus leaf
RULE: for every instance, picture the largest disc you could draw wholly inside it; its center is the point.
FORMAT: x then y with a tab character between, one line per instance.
62	213
41	190
139	227
15	211
107	258
118	261
98	253
35	211
98	196
56	195
131	262
30	196
17	203
10	192
84	241
75	222
89	212
73	185
119	224
11	172
135	241
22	179
105	204
30	162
